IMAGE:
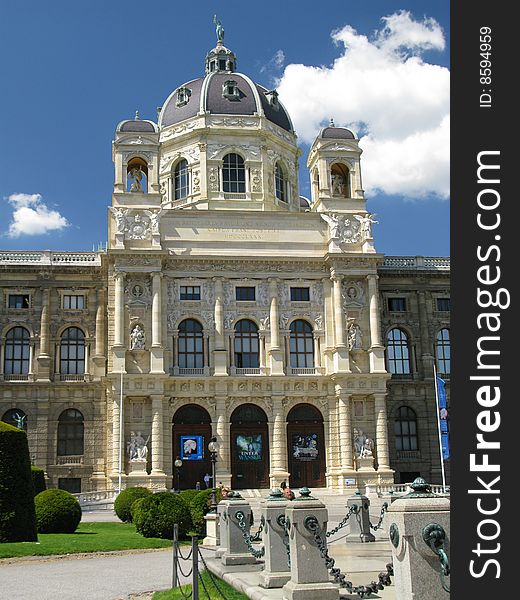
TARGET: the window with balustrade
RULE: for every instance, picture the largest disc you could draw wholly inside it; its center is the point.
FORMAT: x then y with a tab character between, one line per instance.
397	352
405	429
301	345
17	351
190	345
246	345
70	433
443	353
234	174
72	352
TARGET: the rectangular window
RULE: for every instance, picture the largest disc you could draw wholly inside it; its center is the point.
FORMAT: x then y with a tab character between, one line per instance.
245	293
300	294
190	292
19	301
73	302
70	484
397	304
443	304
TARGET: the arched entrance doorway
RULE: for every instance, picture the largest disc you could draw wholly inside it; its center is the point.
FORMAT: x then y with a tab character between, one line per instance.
306	446
249	448
191	435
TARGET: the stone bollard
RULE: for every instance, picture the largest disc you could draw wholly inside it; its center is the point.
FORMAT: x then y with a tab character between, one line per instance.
231	538
309	575
222	527
413	519
276	568
359	523
212	530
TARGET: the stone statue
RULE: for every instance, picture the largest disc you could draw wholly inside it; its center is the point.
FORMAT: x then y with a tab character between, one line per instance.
338	184
137	447
219	29
154	221
120	217
368	448
366	224
137	338
334	224
136	174
354	335
19	420
359	442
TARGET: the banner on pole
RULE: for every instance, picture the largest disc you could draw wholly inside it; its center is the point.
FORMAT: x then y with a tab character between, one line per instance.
443	417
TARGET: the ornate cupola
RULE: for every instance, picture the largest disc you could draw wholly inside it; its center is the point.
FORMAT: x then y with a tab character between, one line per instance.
220	59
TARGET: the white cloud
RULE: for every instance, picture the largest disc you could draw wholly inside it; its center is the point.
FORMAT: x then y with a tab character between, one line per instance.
382	87
275	64
31	216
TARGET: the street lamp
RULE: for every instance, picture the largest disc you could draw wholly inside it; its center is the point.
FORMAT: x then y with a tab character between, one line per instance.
213	448
178	465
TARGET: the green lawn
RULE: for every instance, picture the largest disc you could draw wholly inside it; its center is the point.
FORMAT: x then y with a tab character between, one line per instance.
229	592
89	537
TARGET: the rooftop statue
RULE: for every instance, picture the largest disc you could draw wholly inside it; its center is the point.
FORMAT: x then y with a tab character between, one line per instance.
219	29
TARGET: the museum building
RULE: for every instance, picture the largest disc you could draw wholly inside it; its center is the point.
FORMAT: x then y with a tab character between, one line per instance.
227	305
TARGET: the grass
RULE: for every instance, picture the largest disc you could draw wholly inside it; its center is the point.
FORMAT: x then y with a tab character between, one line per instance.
229	592
89	537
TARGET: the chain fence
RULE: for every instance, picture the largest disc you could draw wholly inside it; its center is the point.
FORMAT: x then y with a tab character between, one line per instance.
248	539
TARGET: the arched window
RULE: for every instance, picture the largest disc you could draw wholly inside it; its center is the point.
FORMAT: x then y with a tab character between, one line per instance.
234	174
191	345
16	418
181	180
16	352
280	183
70	433
246	345
443	352
340	181
405	428
72	352
397	352
301	345
137	175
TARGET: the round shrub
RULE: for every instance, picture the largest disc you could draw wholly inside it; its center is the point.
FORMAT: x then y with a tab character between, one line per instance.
38	480
135	507
188	495
156	514
57	511
125	499
17	518
199	507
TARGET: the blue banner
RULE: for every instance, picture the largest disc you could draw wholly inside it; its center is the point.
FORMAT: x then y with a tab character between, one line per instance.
443	418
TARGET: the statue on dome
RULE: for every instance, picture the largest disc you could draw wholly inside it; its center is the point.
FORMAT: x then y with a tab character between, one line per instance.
219	29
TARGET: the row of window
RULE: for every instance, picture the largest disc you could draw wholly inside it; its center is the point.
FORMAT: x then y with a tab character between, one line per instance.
244	293
399	304
398	352
69	301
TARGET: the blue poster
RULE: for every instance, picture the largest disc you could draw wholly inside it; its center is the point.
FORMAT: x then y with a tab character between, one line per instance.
192	447
443	418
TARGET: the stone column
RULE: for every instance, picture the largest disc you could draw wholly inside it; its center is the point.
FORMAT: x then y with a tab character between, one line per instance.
376	350
219	314
157	435
100	323
317	353
116	423
223	464
381	432
156	310
87	358
341	361
426	355
119	309
44	324
279	444
345	432
273	315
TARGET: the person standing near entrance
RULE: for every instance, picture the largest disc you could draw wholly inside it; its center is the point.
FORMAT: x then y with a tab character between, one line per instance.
207	477
197	486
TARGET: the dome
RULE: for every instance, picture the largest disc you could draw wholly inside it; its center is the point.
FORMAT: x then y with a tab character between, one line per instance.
137	125
223	93
336	133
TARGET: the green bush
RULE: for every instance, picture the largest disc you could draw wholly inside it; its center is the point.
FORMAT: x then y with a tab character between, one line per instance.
188	495
17	518
135	506
57	511
125	499
199	507
38	480
157	513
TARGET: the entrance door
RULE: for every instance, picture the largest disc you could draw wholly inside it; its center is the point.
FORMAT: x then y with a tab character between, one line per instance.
249	448
191	435
306	446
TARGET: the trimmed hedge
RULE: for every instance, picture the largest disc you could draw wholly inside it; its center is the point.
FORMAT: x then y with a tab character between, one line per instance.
156	514
17	517
57	511
188	495
199	507
38	480
125	499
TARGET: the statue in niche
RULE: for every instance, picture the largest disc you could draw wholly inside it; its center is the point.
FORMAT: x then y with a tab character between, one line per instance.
136	174
19	420
354	335
137	447
366	224
359	442
368	448
137	338
338	184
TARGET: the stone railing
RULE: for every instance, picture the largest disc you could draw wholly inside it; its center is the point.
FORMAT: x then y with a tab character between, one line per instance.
247	371
408	454
303	371
15	377
70	460
88	497
48	257
436	263
72	377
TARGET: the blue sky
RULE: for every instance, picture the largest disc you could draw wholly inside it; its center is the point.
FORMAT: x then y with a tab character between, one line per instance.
71	71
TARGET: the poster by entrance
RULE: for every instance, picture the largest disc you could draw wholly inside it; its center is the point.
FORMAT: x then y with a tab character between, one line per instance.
192	447
305	447
249	447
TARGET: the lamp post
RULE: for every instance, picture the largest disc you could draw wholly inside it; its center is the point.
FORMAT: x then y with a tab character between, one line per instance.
213	448
178	465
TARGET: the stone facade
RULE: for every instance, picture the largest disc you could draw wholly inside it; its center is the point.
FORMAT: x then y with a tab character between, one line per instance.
223	289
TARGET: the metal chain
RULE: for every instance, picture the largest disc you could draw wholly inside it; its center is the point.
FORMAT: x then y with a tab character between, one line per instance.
257	537
180	553
247	538
353	509
183	594
284	522
312	525
212	578
384	510
435	536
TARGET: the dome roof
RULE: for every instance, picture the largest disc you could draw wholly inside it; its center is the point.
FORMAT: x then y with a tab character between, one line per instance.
223	93
336	133
137	125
